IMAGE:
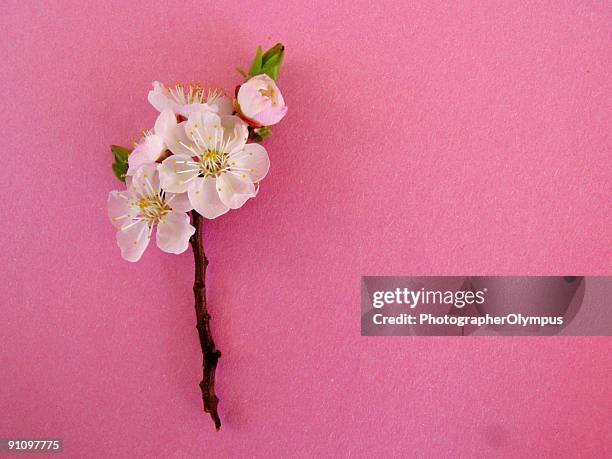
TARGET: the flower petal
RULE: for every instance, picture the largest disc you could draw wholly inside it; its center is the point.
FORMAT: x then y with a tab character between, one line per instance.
146	152
179	202
227	133
133	240
204	128
235	133
205	198
176	172
278	99
225	105
120	210
173	232
177	140
145	180
251	100
254	158
165	123
160	98
234	189
189	109
271	115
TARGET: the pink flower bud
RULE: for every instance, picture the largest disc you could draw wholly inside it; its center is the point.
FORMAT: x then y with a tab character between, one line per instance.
260	102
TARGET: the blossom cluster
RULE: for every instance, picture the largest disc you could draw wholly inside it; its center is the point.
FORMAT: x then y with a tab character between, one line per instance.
202	154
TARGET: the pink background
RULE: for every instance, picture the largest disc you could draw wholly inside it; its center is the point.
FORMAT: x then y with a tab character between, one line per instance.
420	139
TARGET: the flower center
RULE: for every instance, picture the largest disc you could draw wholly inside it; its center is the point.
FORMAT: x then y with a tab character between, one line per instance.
152	208
268	92
213	162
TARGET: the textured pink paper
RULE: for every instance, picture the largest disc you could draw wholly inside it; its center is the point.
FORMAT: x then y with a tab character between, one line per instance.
420	139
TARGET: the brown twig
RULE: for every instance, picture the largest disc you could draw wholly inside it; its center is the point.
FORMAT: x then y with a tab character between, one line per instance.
210	353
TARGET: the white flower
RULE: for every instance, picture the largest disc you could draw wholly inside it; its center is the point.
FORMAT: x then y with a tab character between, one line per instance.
261	102
185	101
154	142
143	206
214	164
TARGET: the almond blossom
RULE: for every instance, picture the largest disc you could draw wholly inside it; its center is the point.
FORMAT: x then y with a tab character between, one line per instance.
144	206
196	163
184	101
214	165
154	142
260	101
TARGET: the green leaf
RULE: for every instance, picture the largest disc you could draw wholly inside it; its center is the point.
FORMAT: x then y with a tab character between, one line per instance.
121	153
272	60
268	62
257	62
242	72
120	169
120	166
272	66
277	49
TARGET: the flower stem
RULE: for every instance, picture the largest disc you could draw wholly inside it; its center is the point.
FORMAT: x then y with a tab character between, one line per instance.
210	353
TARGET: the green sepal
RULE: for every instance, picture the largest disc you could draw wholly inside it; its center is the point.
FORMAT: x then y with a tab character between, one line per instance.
259	134
257	63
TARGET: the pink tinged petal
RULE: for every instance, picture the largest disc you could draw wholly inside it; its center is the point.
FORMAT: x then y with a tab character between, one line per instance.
120	211
179	202
225	105
251	101
194	120
177	172
137	158
133	240
178	142
204	128
264	80
200	119
278	97
148	151
165	123
235	189
189	109
271	115
145	180
160	99
173	232
235	133
205	198
155	143
253	160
